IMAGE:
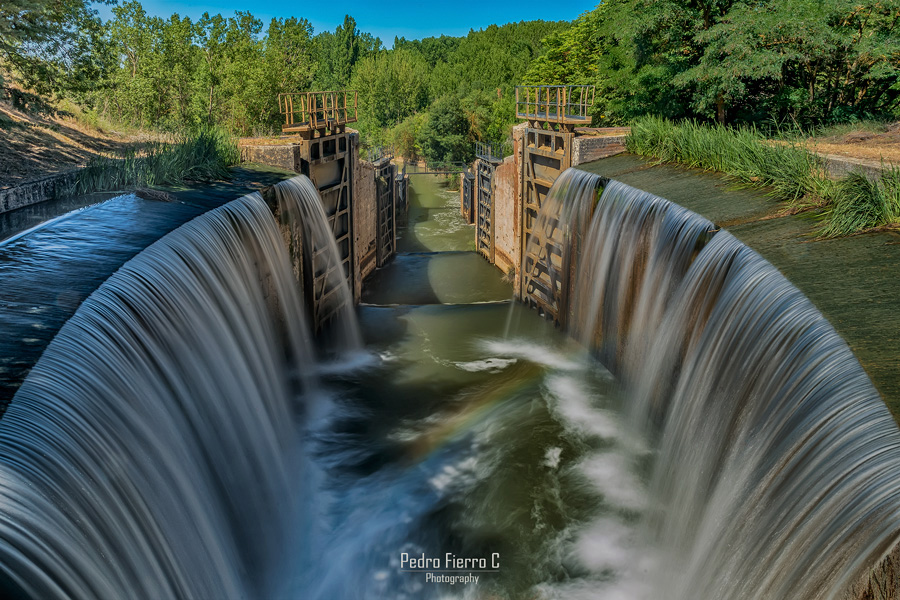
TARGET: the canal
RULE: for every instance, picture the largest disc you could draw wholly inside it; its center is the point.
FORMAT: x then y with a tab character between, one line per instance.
475	429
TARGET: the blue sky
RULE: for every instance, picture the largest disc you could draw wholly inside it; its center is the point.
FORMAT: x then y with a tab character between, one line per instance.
410	19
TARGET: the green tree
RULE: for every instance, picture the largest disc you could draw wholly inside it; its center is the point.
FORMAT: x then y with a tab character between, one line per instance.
803	59
211	70
134	38
339	53
54	46
289	63
445	136
391	87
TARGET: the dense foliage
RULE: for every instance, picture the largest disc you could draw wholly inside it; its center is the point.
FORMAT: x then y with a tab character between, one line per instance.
51	44
181	75
804	61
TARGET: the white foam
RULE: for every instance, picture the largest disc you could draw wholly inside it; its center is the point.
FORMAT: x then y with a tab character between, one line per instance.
491	365
461	474
552	457
605	544
572	404
536	353
612	475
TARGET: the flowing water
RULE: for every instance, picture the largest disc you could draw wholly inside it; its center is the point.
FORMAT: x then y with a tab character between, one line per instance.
180	438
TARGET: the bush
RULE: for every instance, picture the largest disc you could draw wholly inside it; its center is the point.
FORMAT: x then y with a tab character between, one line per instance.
788	169
862	203
203	156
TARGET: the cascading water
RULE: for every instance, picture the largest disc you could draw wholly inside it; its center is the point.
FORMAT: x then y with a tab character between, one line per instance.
157	449
777	468
312	247
153	450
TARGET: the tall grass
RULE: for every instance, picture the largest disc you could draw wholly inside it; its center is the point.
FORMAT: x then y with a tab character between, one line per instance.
203	156
862	203
790	172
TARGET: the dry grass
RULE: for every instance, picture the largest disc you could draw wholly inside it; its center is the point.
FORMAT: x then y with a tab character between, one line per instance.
866	142
43	140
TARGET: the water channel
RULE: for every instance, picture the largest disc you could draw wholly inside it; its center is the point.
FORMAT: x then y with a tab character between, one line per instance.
495	436
181	435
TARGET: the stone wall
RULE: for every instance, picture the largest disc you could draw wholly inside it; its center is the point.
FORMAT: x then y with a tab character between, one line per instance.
32	192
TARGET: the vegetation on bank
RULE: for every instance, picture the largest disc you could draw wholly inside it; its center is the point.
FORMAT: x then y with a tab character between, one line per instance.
430	98
202	156
791	172
747	67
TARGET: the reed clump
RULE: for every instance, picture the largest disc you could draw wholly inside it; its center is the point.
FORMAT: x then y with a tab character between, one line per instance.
861	203
202	156
791	172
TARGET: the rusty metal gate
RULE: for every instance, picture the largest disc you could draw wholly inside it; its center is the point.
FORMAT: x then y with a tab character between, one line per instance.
468	194
546	154
488	159
552	113
485	227
327	162
387	211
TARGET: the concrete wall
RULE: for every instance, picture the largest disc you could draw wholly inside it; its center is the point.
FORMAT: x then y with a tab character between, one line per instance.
32	192
590	148
283	156
365	221
839	166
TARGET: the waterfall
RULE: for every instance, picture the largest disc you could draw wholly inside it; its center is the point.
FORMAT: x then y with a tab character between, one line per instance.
153	450
316	262
556	239
776	472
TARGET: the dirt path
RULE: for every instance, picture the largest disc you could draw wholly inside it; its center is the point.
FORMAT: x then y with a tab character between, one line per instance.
869	146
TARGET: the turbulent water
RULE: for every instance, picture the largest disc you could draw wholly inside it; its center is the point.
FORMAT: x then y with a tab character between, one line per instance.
316	261
706	435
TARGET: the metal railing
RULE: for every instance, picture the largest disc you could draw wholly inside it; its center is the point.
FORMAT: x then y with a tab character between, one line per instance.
569	104
376	153
488	152
438	168
317	110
